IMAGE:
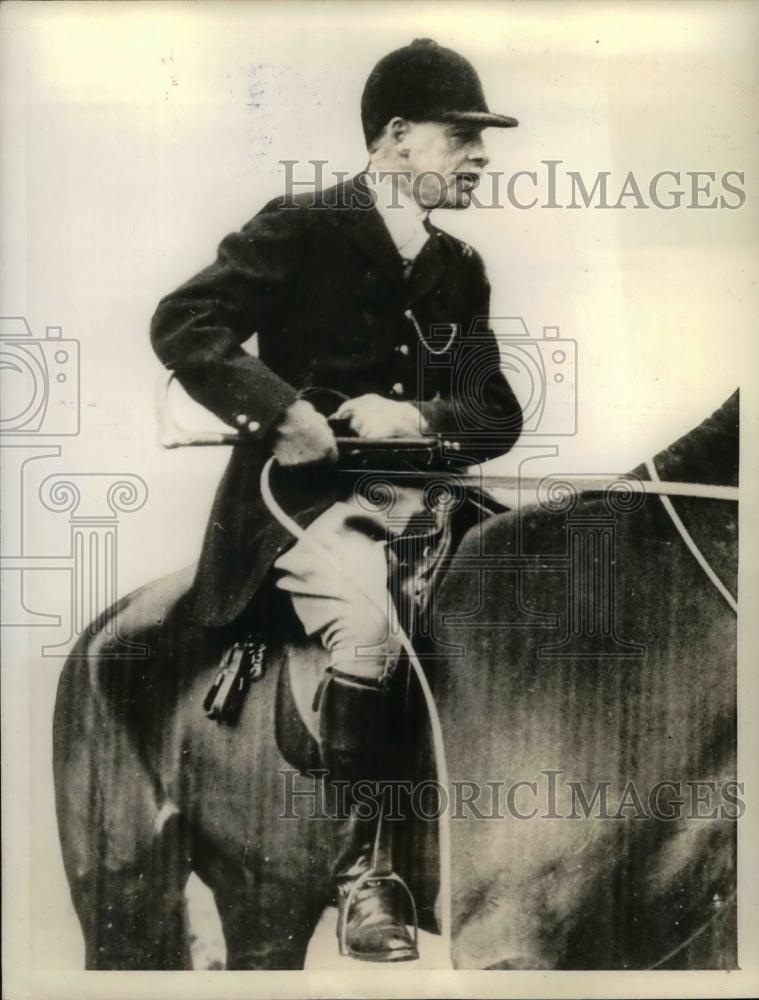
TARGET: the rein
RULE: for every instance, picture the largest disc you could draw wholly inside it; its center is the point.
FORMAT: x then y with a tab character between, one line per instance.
599	484
686	536
697	933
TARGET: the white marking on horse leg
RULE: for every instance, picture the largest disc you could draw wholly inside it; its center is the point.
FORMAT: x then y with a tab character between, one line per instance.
167	810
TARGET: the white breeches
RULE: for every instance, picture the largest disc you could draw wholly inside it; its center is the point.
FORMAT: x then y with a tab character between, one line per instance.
352	622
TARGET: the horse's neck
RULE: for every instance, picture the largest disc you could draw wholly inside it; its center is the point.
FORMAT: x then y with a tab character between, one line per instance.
706	454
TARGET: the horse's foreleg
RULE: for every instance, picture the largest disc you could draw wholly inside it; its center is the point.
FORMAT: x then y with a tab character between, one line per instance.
134	917
266	924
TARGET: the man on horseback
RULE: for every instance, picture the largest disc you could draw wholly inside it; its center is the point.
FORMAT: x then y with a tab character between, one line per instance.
348	290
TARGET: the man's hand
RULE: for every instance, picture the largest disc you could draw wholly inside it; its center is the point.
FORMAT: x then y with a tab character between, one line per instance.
373	416
303	435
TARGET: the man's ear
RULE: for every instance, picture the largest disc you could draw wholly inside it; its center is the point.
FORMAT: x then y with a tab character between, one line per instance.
398	129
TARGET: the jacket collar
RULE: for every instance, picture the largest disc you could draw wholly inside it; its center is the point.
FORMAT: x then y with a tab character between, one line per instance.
355	203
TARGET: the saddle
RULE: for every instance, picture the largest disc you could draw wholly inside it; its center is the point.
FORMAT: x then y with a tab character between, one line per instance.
272	637
267	637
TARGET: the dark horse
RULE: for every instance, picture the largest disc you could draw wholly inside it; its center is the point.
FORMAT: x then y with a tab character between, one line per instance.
574	653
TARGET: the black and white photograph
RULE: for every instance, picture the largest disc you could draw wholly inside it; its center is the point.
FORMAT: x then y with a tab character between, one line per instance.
378	437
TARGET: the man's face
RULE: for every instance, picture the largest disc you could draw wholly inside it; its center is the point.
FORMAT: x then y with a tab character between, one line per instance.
445	162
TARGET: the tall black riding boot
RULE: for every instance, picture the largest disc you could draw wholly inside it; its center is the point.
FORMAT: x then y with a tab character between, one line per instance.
373	901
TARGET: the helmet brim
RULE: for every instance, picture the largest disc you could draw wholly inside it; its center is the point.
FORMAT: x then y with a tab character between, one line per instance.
485	119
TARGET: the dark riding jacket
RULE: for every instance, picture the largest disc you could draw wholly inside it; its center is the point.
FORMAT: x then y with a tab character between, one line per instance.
320	281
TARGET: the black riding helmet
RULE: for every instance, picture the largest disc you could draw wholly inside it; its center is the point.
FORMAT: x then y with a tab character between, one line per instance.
425	82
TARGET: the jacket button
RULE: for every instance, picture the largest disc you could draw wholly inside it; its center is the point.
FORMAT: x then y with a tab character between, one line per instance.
241	419
403	349
397	389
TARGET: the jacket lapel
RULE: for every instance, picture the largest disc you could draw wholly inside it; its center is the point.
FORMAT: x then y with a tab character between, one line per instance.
428	268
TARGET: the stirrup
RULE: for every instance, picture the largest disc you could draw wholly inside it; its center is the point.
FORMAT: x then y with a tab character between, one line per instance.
370	875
